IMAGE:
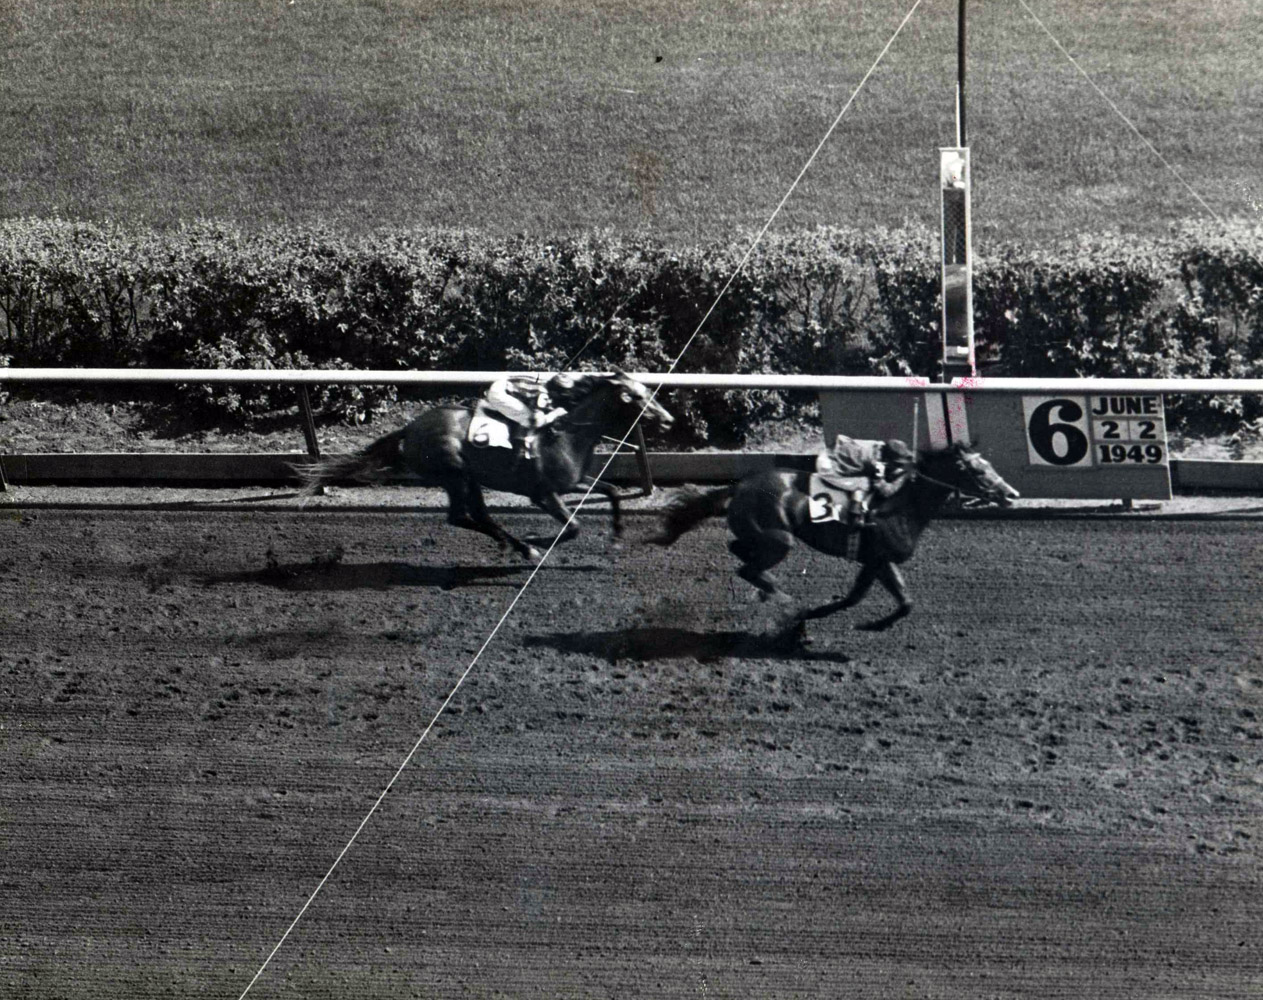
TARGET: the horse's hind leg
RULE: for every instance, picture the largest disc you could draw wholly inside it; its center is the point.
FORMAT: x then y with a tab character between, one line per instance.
760	554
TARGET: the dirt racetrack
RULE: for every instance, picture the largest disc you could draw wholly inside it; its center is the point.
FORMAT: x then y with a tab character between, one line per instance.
1046	782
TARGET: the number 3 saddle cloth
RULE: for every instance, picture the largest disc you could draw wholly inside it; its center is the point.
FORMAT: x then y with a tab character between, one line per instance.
839	498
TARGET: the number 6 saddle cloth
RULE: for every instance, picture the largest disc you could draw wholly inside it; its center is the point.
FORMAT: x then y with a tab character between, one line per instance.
487	429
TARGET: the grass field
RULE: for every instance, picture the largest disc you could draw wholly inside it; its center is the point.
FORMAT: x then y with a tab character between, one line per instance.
681	120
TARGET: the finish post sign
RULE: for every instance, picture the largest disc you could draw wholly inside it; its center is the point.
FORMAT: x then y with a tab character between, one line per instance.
1082	432
1071	447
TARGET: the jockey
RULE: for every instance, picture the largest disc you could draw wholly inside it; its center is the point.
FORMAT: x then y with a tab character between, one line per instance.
885	464
898	460
527	404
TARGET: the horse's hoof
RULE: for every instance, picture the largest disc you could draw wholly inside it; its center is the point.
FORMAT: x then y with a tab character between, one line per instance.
882	624
792	635
533	555
794	621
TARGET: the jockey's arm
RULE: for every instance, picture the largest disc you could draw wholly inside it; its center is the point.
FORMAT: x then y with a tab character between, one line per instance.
498	391
885	485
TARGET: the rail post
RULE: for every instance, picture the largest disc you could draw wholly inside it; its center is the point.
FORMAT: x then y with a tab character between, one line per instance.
309	427
309	422
642	461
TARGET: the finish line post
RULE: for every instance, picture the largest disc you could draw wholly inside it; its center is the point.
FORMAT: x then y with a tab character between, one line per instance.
957	268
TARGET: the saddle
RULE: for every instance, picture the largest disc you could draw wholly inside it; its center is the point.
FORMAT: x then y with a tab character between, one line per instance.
487	429
828	474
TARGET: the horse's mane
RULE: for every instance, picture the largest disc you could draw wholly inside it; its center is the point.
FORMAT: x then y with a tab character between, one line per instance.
930	454
579	389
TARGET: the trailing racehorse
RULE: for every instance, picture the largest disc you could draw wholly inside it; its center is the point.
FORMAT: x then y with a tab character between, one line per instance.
768	510
436	451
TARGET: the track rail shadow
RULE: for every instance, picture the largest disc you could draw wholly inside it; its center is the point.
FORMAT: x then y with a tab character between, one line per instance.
328	575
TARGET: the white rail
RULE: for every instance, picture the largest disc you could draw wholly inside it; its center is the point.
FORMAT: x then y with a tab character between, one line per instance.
819	383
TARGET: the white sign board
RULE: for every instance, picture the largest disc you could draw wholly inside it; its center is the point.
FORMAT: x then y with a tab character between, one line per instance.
1078	432
1067	446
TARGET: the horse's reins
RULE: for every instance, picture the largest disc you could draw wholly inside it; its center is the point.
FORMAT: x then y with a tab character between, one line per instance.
951	487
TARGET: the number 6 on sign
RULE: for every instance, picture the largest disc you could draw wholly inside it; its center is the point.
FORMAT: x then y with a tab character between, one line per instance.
1057	430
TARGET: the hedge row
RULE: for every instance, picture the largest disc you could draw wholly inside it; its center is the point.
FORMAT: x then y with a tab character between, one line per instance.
831	301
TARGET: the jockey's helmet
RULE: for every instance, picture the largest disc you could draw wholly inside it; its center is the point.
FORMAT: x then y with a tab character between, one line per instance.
896	452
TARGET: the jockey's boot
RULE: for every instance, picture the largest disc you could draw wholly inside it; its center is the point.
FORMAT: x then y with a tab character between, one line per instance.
533	455
525	452
517	437
856	515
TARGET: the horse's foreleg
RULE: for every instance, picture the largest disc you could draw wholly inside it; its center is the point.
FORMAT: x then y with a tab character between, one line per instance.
467	509
552	503
610	492
863	581
892	580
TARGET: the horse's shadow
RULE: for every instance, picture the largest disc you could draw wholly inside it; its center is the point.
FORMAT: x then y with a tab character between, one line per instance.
328	575
660	643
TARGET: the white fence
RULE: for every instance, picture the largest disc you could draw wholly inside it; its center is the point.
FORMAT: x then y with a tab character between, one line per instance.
817	383
257	468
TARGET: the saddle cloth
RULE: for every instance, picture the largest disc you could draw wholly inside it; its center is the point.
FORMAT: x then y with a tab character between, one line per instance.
829	509
826	501
487	429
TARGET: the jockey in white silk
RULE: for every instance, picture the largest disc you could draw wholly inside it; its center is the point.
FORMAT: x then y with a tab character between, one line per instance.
526	403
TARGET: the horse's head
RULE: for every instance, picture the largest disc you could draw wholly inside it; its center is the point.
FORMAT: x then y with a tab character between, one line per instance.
961	467
634	398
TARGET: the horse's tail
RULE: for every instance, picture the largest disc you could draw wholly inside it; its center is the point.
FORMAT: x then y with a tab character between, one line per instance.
364	466
689	508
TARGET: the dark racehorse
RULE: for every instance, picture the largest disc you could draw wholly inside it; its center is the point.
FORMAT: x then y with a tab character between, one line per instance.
435	450
768	510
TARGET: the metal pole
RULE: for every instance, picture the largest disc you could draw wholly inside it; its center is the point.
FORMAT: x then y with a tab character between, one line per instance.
642	460
309	422
960	75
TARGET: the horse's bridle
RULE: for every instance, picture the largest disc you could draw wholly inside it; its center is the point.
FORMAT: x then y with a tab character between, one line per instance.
951	487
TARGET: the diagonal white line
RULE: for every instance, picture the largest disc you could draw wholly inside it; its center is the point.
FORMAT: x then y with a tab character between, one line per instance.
416	746
1118	111
579	506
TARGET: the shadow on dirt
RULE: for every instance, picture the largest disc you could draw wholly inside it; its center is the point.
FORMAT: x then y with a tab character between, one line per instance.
677	643
321	575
